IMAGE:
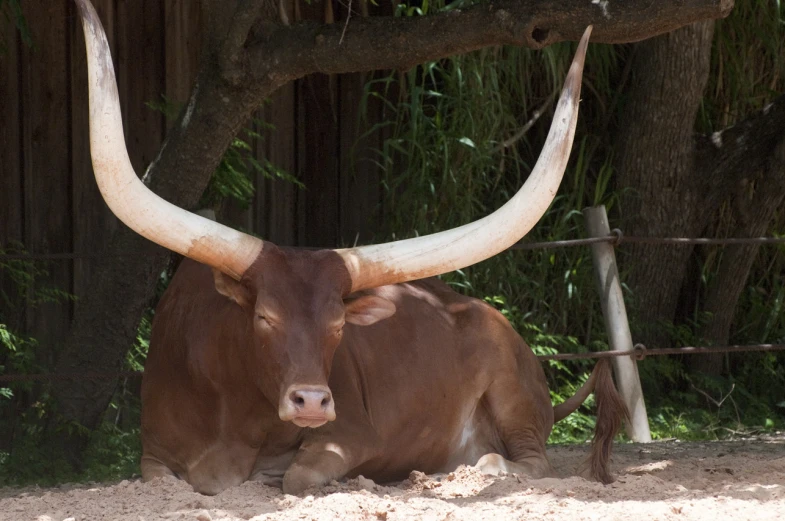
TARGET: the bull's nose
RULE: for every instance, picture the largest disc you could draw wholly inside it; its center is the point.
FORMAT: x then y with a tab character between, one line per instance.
307	406
309	402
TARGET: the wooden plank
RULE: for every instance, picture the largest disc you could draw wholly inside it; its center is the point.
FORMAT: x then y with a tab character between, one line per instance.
360	177
45	112
274	206
182	45
11	208
318	167
275	211
392	94
318	206
140	71
92	221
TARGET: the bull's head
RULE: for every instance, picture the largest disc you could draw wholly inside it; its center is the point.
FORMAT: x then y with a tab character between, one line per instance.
296	301
300	300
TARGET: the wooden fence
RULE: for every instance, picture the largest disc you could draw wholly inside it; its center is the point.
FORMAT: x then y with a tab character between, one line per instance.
48	197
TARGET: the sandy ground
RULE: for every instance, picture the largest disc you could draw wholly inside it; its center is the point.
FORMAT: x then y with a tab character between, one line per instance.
739	480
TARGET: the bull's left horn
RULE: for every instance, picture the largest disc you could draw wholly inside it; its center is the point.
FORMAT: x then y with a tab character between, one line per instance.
420	257
130	200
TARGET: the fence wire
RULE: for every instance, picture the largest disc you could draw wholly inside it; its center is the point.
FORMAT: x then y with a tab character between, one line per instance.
616	238
639	352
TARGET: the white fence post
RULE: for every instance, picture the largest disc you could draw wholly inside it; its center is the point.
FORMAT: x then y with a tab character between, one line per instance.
619	338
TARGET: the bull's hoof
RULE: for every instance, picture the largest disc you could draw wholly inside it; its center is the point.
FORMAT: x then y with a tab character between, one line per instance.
492	464
535	467
297	479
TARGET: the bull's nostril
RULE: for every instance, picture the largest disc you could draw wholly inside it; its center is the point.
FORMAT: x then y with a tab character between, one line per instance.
298	400
325	401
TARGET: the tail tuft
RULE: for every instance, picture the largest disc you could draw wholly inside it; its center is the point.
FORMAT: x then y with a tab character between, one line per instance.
611	411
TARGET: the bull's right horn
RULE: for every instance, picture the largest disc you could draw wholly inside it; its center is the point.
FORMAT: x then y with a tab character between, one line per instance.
430	255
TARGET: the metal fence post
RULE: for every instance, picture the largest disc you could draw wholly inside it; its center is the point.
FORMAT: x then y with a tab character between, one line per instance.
619	337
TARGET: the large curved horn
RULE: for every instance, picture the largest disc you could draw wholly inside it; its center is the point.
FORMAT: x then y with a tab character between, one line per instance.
421	257
130	200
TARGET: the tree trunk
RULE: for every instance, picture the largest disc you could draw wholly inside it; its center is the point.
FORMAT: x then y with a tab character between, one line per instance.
655	169
755	207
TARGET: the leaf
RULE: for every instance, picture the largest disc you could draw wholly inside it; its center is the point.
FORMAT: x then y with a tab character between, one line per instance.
468	142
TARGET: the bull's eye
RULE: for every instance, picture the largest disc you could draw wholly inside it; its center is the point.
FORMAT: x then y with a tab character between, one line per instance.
265	320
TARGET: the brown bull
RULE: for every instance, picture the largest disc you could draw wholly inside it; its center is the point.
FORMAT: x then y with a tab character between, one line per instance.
299	367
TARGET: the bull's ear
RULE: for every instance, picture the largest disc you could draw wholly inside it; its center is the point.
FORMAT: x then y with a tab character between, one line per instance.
368	309
228	287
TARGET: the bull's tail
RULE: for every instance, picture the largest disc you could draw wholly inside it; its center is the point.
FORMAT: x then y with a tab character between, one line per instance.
611	411
571	404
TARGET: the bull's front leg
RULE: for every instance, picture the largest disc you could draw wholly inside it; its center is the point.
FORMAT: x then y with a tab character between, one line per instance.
315	468
332	451
330	456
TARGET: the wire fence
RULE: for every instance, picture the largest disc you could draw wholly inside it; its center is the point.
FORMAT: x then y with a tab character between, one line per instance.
640	352
616	238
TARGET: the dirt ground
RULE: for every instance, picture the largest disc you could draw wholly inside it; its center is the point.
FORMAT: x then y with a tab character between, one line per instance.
739	480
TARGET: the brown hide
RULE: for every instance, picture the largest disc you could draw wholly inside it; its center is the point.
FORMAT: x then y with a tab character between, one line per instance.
442	382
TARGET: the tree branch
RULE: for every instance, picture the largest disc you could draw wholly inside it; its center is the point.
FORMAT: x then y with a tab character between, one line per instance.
246	14
386	42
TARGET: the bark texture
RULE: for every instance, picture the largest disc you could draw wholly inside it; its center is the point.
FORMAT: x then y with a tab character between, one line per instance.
656	166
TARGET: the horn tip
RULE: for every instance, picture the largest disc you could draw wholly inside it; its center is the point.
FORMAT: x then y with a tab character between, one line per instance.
584	43
572	83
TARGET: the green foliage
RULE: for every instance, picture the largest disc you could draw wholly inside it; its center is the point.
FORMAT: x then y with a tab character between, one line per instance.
19	353
25	406
748	63
11	10
32	452
37	459
26	277
235	176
